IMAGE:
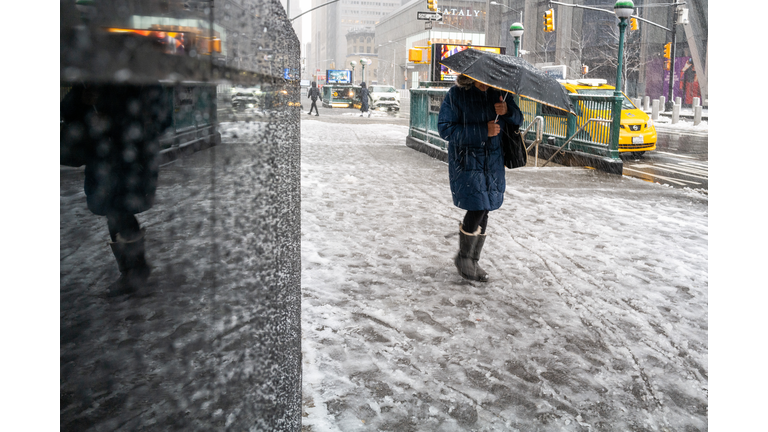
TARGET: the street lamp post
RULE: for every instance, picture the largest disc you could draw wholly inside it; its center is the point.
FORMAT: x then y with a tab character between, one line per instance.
353	64
363	63
623	10
516	30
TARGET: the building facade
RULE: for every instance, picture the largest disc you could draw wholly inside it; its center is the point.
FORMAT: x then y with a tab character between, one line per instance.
590	38
332	23
360	45
463	23
581	38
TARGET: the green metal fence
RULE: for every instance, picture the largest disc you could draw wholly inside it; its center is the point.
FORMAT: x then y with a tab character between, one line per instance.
425	108
596	138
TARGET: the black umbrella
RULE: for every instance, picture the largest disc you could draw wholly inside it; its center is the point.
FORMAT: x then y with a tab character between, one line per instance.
512	74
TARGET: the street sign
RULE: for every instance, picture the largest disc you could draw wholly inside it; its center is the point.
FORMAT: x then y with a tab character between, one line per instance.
429	16
427	25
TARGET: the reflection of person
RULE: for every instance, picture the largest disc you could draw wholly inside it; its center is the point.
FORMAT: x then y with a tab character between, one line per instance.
113	130
170	44
313	94
468	122
689	83
364	97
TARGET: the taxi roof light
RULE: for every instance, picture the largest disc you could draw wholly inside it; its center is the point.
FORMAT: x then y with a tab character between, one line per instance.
593	82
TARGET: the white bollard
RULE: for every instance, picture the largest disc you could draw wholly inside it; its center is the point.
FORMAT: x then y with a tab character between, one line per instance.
636	101
655	110
696	115
646	103
675	113
678	101
696	102
663	103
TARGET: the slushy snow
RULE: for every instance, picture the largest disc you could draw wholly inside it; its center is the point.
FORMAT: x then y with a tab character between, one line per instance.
595	318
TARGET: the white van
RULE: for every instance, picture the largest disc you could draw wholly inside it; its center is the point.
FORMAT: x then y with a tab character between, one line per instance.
385	96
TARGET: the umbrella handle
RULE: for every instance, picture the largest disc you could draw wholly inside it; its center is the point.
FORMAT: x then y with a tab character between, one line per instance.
505	99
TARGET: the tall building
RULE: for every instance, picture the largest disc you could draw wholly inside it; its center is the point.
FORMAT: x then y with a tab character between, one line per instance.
330	28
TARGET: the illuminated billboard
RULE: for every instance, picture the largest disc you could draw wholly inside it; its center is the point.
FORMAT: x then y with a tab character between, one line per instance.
338	76
441	51
183	41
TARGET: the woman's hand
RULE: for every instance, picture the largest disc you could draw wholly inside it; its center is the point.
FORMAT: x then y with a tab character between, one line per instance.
493	128
501	107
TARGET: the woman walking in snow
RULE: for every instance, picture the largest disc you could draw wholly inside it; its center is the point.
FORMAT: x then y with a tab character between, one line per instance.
468	121
364	96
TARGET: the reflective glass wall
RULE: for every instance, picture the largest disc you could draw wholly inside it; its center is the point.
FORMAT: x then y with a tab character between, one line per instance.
179	216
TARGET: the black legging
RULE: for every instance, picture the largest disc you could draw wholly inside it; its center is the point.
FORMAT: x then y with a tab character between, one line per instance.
314	105
473	219
123	223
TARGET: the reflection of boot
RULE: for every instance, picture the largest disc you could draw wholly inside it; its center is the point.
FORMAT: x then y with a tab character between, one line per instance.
465	261
134	270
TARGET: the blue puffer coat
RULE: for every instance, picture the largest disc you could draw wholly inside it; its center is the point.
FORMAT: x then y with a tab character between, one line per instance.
475	161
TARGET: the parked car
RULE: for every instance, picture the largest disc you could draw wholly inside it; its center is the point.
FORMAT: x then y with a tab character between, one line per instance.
244	100
385	96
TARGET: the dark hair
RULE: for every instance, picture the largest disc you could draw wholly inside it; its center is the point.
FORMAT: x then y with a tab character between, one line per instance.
314	83
362	84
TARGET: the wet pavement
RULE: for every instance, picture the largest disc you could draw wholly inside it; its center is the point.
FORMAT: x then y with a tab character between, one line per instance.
681	159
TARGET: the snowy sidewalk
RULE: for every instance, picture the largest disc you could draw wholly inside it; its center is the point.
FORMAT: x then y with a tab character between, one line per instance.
595	318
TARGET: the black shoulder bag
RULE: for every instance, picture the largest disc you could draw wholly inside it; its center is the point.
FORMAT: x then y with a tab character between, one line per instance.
513	147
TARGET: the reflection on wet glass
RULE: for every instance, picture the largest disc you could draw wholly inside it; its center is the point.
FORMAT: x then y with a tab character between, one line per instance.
179	248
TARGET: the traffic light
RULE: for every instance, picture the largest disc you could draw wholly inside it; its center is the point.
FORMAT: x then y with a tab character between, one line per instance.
432	5
668	65
668	50
549	20
633	24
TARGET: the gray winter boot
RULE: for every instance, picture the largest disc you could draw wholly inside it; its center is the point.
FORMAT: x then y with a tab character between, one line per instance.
475	255
134	270
465	261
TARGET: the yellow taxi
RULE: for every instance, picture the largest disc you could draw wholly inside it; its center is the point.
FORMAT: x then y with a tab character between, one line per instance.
637	133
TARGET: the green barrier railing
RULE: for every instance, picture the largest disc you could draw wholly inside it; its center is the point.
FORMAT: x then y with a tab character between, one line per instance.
425	108
597	138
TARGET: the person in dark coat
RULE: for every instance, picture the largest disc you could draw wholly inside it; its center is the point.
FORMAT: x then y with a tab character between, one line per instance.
471	118
313	94
364	97
114	131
